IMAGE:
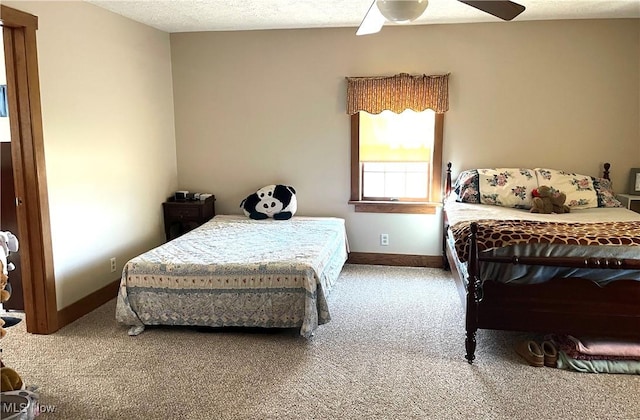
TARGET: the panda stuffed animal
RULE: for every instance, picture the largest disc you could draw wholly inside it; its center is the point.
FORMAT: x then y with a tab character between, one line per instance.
276	201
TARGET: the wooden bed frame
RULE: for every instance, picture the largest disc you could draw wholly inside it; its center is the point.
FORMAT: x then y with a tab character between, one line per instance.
561	305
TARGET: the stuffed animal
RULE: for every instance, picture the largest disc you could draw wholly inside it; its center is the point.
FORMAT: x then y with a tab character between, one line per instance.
8	243
4	296
10	379
546	200
276	201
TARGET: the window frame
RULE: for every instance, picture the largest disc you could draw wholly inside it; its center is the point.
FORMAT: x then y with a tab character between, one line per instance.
417	207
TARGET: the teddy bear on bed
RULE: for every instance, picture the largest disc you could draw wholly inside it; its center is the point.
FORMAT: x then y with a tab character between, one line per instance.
277	201
546	200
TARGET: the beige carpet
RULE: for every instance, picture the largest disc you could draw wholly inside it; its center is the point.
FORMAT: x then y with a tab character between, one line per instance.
393	350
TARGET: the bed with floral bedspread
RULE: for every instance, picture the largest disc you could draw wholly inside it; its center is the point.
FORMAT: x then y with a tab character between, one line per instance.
570	273
235	271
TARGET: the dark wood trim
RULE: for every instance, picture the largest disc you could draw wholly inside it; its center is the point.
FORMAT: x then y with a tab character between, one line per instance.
436	160
16	18
355	157
395	207
404	260
88	303
34	232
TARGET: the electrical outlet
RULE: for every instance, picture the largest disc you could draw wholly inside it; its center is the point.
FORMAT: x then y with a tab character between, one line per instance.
384	239
113	264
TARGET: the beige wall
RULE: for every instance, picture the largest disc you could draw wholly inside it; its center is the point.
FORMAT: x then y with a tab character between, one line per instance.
261	107
107	108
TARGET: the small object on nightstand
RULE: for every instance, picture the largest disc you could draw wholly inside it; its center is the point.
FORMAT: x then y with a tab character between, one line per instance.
180	195
632	202
182	216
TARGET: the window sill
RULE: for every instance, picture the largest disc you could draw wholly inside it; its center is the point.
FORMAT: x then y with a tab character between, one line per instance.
395	207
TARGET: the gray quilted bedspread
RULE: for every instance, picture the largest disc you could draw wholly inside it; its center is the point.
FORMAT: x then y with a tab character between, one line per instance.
234	271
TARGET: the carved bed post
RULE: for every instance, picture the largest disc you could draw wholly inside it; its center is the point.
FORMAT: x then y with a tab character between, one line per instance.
447	182
445	223
605	173
473	285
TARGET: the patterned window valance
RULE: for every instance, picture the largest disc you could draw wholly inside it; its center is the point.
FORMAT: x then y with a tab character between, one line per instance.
397	93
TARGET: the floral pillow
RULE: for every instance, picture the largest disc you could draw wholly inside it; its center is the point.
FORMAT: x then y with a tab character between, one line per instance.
507	187
466	187
579	189
606	196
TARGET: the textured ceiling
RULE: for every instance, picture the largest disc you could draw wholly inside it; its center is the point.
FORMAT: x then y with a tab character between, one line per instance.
237	15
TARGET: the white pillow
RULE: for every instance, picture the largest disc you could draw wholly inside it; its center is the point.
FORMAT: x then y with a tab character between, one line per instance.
579	189
507	187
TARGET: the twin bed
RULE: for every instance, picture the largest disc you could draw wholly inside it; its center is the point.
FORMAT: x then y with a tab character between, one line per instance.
236	271
575	273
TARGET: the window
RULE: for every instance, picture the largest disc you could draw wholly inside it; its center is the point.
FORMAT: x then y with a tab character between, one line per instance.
396	161
395	181
396	142
395	155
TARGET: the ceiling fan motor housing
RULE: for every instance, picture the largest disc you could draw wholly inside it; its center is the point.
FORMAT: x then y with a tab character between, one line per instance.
402	11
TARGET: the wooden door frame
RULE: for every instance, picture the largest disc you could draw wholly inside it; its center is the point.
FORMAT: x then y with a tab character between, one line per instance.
34	230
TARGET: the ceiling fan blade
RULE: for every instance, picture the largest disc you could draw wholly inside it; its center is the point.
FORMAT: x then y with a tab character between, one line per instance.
505	10
372	22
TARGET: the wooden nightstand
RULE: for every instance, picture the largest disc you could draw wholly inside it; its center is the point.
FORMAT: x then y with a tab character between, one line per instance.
182	216
632	202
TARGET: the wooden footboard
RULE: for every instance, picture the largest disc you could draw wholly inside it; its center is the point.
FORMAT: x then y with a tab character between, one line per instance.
560	305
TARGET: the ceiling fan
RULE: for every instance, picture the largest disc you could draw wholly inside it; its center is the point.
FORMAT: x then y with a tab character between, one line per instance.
404	11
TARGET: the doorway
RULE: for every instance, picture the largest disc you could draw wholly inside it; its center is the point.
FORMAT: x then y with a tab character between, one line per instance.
9	222
28	167
8	216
